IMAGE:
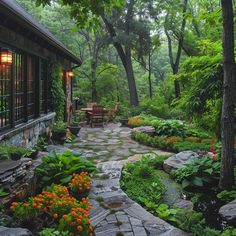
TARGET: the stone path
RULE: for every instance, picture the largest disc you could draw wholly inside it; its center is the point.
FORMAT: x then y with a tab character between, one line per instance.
113	212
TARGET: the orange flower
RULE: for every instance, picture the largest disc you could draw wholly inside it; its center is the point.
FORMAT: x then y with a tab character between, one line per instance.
80	228
55	216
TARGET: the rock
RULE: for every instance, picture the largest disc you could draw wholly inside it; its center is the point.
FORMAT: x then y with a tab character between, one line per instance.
182	204
228	211
179	160
14	232
145	129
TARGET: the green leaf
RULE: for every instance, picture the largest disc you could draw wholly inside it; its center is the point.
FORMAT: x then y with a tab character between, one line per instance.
66	179
185	183
197	181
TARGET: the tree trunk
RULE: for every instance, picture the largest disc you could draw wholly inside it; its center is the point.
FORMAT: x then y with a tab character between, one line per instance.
130	76
125	57
175	63
149	74
93	81
227	118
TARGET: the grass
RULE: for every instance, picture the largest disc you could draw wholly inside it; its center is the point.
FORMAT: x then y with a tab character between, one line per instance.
119	234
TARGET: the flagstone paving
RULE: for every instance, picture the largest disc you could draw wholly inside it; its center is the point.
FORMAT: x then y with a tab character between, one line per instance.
113	212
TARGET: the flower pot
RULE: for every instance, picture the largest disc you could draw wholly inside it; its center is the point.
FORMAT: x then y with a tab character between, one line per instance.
124	121
74	129
59	136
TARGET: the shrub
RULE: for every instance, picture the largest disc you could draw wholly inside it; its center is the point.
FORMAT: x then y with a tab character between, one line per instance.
142	185
80	182
174	144
59	167
227	196
198	173
169	127
55	202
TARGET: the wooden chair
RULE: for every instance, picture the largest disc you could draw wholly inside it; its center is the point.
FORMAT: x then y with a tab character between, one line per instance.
97	116
111	113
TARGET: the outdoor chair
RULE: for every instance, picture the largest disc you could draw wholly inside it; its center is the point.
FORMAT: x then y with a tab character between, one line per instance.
97	116
111	113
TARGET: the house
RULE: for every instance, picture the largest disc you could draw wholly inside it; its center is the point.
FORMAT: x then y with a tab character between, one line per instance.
26	48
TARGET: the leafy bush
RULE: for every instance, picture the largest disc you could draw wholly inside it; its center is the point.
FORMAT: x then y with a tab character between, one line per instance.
169	127
59	167
56	206
198	173
7	151
174	144
54	232
183	146
227	196
150	191
229	231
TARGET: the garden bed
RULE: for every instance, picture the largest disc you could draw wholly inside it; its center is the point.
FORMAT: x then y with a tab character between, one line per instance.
61	206
143	182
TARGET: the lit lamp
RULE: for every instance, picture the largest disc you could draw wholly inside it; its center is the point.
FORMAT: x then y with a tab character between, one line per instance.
70	73
6	57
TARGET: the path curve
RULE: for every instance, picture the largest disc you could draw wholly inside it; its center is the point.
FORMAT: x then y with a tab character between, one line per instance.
113	212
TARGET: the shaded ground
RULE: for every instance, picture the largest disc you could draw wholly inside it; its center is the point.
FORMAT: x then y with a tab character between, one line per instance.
113	212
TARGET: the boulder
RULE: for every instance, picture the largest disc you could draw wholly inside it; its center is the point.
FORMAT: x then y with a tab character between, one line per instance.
183	204
4	231
179	160
228	211
145	129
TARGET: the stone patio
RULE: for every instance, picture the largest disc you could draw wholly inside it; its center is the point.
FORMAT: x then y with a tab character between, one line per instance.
113	212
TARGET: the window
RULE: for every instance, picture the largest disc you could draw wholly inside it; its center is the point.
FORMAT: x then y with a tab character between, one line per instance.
24	89
30	86
5	88
19	86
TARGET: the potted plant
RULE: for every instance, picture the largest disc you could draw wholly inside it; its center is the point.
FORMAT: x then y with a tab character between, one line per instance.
124	120
59	132
74	125
80	185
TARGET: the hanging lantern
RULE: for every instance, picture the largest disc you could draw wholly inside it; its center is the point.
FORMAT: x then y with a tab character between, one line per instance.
70	73
6	57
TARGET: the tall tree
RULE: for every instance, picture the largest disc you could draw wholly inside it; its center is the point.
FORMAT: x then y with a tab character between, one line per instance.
174	62
227	118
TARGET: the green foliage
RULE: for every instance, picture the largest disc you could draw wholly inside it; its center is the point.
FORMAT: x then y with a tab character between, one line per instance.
142	186
227	196
54	232
25	211
58	94
7	151
229	231
156	107
58	168
169	127
170	144
198	173
59	126
3	193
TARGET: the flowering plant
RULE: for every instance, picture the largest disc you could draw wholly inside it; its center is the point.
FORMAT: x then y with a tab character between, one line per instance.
80	182
70	214
134	122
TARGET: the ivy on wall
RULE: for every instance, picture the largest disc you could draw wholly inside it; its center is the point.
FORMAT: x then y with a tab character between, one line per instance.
58	94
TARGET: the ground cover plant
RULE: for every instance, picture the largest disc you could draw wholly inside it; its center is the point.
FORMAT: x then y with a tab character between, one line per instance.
174	144
151	190
200	172
189	220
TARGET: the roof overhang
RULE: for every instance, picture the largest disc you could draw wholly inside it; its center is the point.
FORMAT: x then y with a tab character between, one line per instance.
16	13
